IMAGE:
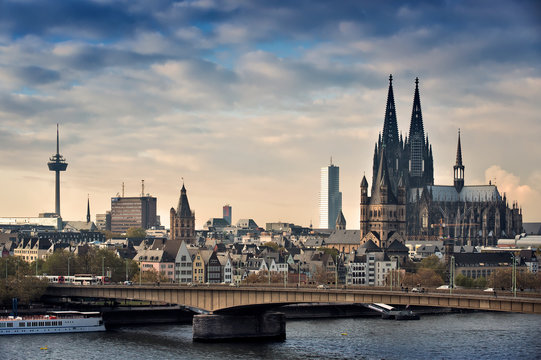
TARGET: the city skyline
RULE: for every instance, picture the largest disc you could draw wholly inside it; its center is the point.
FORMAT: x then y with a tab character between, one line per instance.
246	101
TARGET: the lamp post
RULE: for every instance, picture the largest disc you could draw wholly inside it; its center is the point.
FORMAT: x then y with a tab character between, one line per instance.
451	274
140	272
126	269
514	278
298	272
398	272
69	266
102	268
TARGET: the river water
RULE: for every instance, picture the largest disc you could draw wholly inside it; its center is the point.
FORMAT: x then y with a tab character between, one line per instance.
453	336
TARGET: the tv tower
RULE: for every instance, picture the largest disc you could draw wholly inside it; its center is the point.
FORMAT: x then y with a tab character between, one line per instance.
57	163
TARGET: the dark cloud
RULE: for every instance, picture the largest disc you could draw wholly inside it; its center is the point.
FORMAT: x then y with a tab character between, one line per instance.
35	75
65	19
92	58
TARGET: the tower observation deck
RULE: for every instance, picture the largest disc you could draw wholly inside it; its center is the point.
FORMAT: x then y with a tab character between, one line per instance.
57	163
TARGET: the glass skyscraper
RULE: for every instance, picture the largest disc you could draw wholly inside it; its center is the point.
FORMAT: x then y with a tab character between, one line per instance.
330	197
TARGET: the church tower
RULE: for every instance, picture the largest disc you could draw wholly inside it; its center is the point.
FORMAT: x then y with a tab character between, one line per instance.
419	151
182	220
389	141
340	221
458	168
383	213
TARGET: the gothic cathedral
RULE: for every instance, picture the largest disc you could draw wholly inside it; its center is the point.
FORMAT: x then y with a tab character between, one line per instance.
405	203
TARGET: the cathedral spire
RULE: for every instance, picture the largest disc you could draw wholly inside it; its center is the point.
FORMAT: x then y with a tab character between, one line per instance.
459	151
458	168
416	124
390	127
88	209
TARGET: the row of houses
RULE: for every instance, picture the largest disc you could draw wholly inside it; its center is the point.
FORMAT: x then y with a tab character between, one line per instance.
234	263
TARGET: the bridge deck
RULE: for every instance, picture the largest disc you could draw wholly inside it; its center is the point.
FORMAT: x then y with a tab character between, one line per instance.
221	298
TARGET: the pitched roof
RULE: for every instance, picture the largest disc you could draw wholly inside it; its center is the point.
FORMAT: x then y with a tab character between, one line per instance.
183	208
532	228
397	246
370	246
341	220
488	259
352	237
364	183
481	193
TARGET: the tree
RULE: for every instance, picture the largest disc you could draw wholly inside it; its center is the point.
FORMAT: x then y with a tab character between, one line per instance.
136	233
323	277
433	262
16	281
57	263
272	245
110	235
428	278
150	276
424	278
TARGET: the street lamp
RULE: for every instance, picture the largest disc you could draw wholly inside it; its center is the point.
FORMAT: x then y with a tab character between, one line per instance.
102	268
451	274
69	266
514	278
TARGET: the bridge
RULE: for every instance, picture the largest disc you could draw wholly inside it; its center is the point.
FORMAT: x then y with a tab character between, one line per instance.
225	299
233	313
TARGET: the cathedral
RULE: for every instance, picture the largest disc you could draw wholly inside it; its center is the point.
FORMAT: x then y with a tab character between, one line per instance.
406	205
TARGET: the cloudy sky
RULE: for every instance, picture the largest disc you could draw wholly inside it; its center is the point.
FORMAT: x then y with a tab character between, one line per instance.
247	100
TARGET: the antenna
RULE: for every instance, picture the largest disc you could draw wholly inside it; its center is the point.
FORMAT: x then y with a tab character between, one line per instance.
142	188
123	189
57	140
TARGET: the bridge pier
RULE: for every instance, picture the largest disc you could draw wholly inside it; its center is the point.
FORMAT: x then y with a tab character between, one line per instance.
269	326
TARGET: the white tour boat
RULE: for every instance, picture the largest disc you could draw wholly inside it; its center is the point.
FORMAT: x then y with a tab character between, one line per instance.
54	322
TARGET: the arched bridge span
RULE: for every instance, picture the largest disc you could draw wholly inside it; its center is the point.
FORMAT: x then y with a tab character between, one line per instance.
219	299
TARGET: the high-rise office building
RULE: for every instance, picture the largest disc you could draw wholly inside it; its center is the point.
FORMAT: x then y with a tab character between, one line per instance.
127	212
330	197
227	213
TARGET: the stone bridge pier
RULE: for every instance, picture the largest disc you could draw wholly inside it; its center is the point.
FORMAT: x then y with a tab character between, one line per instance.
267	326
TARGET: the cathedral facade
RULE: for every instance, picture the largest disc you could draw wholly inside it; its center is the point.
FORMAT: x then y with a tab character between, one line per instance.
403	170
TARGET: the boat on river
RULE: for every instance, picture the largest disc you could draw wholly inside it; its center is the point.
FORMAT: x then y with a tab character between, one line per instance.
52	322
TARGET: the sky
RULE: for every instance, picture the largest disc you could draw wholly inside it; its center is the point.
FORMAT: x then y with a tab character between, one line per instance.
245	101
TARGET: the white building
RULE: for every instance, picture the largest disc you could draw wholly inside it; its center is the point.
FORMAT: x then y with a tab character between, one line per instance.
183	265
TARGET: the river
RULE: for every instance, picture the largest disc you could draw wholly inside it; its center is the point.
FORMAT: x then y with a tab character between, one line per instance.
479	335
